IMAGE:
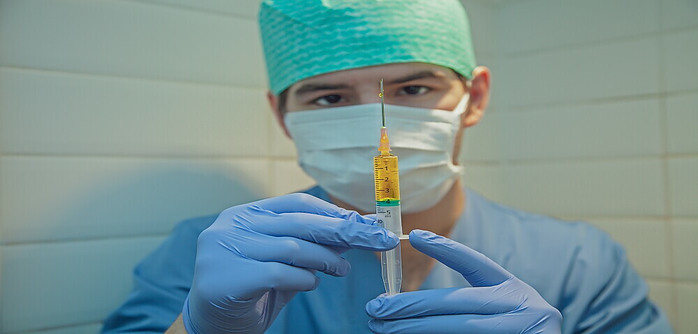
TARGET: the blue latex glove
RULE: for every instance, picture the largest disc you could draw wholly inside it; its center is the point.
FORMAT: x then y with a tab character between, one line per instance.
256	257
497	302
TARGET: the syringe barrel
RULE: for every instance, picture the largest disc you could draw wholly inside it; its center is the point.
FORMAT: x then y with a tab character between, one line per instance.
389	217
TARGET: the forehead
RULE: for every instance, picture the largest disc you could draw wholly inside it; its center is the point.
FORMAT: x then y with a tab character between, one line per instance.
371	74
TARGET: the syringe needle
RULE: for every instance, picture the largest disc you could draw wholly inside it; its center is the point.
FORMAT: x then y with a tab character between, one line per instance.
382	103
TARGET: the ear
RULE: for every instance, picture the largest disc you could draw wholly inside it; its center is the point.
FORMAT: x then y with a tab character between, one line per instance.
479	96
274	104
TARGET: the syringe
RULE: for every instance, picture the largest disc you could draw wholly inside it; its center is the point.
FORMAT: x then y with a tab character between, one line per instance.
388	216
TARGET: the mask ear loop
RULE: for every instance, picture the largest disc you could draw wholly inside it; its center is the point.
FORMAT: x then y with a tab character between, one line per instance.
458	116
462	105
458	112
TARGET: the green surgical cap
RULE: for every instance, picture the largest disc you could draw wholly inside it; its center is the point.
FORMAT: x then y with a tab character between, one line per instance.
305	38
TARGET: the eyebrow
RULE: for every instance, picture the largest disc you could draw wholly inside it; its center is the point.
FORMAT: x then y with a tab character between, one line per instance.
416	76
308	88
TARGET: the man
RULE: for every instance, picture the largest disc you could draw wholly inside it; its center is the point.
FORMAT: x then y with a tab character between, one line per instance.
244	270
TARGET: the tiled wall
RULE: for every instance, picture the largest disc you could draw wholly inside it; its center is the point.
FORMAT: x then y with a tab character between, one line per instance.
595	117
119	118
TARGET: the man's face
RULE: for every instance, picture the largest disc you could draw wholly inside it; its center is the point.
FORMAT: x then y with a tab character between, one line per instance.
408	84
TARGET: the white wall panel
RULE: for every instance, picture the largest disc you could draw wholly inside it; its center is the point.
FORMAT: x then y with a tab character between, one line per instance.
45	198
56	284
578	74
125	38
682	123
243	8
482	142
678	14
614	188
617	129
687	295
683	182
544	24
58	113
681	52
685	249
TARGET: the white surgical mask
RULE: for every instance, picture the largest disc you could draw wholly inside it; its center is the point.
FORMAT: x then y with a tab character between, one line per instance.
336	147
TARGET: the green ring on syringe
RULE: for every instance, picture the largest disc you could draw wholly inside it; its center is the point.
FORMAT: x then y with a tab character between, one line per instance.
395	202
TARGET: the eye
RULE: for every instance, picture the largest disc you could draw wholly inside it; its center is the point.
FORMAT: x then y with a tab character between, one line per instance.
413	90
328	100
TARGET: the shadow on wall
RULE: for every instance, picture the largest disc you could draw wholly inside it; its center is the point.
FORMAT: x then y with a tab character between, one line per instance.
105	199
113	223
152	201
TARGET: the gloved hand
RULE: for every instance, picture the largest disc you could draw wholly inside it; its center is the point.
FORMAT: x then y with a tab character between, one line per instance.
255	257
498	302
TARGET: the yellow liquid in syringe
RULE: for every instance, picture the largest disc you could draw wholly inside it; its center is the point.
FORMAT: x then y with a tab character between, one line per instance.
385	172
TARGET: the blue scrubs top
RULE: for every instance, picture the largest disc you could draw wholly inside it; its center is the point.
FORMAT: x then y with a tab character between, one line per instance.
577	268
